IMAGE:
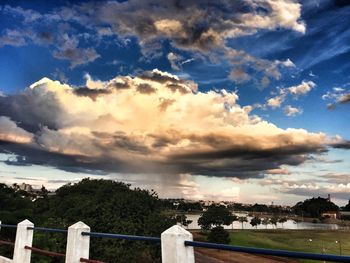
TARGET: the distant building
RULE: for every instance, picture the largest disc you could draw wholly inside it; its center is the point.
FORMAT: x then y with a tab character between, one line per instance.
330	214
26	187
329	197
34	193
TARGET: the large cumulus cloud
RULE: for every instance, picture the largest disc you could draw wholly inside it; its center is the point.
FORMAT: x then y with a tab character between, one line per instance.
154	122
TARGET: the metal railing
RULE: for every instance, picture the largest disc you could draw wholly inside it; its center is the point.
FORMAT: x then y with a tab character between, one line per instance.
270	252
125	237
54	230
20	255
177	245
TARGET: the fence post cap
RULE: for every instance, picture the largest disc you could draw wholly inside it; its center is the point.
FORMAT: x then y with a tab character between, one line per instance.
176	230
79	225
25	222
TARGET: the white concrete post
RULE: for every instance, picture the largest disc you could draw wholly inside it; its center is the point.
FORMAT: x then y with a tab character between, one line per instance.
24	237
173	246
78	246
5	260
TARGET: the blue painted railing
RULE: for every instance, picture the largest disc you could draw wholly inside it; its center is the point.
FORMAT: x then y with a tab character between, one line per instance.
8	226
54	230
270	252
125	237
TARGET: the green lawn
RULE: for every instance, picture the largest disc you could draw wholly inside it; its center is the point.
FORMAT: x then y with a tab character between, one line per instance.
294	240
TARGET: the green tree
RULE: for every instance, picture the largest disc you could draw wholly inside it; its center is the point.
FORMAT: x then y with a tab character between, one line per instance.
216	215
242	219
182	219
108	207
347	207
282	220
44	191
296	221
265	221
314	207
219	235
274	220
15	206
234	219
255	221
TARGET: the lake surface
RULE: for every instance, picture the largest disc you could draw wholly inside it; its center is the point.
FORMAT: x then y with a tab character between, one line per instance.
290	224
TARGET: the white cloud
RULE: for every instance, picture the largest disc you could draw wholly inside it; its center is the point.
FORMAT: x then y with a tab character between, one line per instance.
287	63
285	13
302	89
277	101
338	89
174	60
239	75
338	95
265	81
93	84
12	38
9	131
344	98
69	50
291	111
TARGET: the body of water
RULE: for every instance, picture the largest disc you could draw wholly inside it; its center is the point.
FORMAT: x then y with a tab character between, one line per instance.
290	224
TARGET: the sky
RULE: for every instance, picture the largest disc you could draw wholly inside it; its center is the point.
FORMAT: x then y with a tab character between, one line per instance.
242	100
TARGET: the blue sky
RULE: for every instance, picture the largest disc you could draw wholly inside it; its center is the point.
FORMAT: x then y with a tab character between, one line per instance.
261	87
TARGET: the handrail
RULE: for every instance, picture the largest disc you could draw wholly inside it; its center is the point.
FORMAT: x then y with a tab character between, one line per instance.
119	236
261	251
3	242
8	226
271	252
90	260
55	230
45	252
44	229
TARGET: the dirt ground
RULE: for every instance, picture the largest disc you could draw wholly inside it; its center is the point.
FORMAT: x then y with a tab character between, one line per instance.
217	256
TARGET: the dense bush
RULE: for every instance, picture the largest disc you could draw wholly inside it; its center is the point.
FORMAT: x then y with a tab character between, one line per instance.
219	235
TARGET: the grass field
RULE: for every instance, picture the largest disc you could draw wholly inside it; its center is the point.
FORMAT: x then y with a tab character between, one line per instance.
294	240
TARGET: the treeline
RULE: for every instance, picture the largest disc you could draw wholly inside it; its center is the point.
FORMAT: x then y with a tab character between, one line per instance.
313	207
183	205
260	208
106	206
